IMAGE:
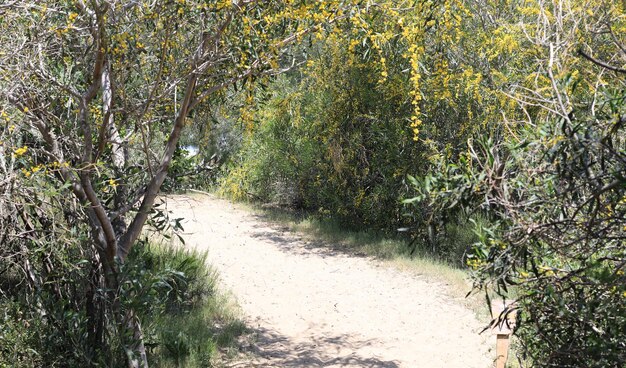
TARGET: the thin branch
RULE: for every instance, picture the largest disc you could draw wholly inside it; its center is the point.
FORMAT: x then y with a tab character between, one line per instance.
564	113
152	189
601	63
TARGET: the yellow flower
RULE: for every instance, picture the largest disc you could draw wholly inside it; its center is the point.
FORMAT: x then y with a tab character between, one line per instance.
20	151
112	183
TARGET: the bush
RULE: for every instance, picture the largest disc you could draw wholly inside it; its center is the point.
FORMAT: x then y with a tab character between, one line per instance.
190	171
171	291
553	191
332	142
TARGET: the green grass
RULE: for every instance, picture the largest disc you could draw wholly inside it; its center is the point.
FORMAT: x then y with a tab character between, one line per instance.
328	231
199	338
193	324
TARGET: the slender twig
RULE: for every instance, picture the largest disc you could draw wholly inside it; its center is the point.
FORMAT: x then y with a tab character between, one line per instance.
601	63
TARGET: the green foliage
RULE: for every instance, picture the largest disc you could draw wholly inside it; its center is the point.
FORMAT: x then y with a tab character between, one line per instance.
335	144
382	100
46	275
173	292
552	190
55	307
189	170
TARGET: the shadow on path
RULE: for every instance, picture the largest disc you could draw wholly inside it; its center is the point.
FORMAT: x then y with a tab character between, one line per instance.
286	241
271	349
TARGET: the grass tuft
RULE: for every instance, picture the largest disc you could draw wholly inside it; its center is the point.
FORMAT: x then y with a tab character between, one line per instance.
192	325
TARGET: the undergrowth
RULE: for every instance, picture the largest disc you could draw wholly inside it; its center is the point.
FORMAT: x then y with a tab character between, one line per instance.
193	324
171	290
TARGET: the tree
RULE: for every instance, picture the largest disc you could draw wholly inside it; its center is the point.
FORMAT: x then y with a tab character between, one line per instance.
372	104
553	187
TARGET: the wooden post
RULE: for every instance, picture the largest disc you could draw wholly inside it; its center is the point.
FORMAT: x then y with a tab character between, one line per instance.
502	349
502	330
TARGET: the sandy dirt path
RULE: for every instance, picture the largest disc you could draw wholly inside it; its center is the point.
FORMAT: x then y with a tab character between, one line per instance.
313	307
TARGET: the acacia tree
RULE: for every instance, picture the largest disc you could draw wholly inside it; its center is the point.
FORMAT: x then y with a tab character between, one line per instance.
552	187
108	86
104	83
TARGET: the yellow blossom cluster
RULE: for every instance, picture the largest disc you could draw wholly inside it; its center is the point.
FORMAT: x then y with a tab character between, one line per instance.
121	43
415	52
43	169
110	185
34	170
474	263
20	151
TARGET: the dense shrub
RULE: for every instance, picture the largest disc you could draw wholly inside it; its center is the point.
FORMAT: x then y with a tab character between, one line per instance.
339	139
190	170
339	149
173	291
170	290
553	191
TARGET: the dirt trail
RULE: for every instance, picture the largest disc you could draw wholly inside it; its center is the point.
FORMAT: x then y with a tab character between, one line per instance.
313	307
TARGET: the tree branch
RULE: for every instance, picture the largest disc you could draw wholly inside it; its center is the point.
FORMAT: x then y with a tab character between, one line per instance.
152	190
601	63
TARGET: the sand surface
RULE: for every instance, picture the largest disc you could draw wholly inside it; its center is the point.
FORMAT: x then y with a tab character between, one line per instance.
311	306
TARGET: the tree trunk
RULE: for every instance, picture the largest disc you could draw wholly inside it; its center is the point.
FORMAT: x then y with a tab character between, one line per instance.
135	349
95	309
